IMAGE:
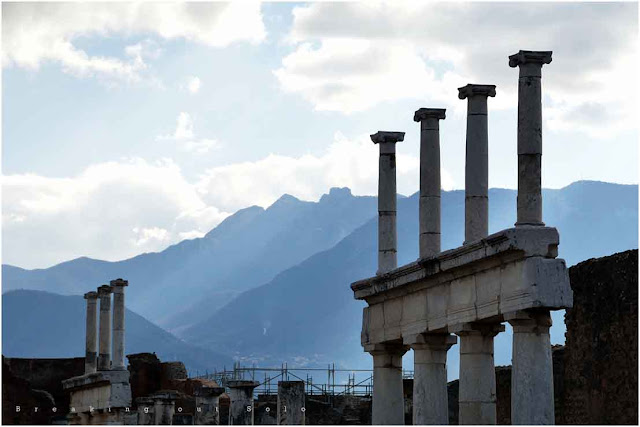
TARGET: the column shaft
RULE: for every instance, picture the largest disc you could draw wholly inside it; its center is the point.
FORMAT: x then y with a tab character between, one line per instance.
104	357
291	403
241	408
91	352
117	287
388	396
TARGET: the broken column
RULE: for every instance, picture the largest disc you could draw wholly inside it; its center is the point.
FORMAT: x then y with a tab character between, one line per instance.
477	393
291	403
241	395
530	134
532	372
207	406
388	395
164	407
117	287
430	401
104	357
476	200
387	200
91	341
429	119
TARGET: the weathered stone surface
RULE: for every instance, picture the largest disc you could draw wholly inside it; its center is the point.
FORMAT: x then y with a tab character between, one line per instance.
241	395
291	401
117	288
91	331
388	404
104	356
99	390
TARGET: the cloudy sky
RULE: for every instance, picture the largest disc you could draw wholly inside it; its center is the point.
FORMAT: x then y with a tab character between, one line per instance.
129	127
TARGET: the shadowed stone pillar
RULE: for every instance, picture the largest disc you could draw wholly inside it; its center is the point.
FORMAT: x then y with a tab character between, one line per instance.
476	193
291	403
429	119
241	395
91	353
532	373
477	395
530	134
117	287
207	407
104	357
430	397
388	395
387	200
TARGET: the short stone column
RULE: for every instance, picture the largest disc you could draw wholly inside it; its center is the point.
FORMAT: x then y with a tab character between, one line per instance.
388	394
477	395
530	134
104	356
91	341
430	396
241	395
476	178
387	200
145	407
430	187
532	400
164	407
117	287
291	403
207	405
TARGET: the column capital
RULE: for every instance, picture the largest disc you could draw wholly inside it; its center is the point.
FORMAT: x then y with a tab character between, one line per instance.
119	282
387	136
486	329
381	349
476	90
91	295
429	113
540	57
433	341
104	290
529	320
243	384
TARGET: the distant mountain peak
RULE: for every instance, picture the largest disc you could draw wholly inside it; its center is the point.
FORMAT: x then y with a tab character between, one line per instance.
285	200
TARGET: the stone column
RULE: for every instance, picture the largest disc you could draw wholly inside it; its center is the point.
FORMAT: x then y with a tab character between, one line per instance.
207	407
387	198
104	357
430	396
291	403
530	134
532	373
429	119
91	353
145	411
241	395
476	197
117	287
477	395
164	407
388	395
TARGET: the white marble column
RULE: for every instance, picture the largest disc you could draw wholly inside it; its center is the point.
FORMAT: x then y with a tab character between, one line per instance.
91	353
241	395
429	119
387	200
477	395
532	400
104	356
530	134
430	396
476	200
117	287
388	395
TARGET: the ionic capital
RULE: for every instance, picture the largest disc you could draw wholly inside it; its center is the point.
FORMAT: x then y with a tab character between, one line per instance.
476	90
429	113
386	136
530	57
119	282
91	295
104	290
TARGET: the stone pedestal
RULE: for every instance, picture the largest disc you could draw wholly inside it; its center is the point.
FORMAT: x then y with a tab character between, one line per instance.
291	403
104	357
117	287
91	353
207	407
430	188
145	407
430	402
164	407
477	398
532	399
241	395
530	134
387	200
388	396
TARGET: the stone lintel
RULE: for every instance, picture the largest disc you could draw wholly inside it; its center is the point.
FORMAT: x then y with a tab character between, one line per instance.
530	57
474	89
243	384
119	282
104	290
429	113
387	136
91	295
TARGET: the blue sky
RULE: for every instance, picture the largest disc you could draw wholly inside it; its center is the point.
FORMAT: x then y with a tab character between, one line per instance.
151	123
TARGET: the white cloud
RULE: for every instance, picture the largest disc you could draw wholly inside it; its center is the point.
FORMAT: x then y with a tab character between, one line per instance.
36	33
193	84
345	60
185	136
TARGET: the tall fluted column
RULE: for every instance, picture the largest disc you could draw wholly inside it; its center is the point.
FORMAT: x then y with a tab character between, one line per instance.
530	134
429	119
532	399
476	197
387	200
117	287
430	399
477	374
104	358
91	353
388	395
